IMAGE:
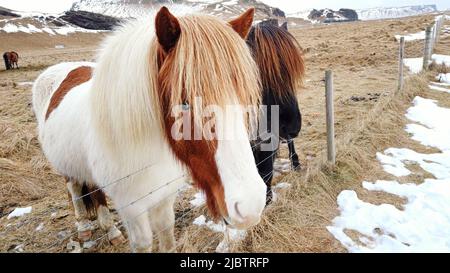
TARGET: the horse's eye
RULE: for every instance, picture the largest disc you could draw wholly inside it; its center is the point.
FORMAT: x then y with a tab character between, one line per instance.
186	106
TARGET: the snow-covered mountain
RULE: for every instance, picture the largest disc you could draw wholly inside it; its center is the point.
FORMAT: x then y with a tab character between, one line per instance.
137	8
103	15
333	16
384	13
379	13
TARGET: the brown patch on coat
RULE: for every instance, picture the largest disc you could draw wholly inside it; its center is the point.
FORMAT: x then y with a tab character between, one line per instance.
75	78
197	155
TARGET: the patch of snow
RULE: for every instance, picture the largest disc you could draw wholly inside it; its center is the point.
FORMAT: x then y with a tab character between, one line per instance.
393	165
440	89
436	164
10	28
282	186
434	130
59	46
30	29
19	212
199	200
34	29
412	37
423	224
201	221
444	78
25	83
40	227
231	236
18	249
441	59
48	30
415	64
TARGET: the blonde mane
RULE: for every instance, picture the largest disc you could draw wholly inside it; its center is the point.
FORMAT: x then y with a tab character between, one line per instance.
210	61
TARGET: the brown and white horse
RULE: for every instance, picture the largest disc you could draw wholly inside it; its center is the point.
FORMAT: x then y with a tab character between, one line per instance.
11	59
99	123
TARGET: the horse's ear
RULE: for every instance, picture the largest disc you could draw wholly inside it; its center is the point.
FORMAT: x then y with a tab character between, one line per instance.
243	23
285	26
168	29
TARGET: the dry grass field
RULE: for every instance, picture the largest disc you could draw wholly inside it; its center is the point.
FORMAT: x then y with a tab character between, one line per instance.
369	118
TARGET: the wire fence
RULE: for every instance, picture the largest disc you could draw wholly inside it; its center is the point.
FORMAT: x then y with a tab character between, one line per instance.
123	223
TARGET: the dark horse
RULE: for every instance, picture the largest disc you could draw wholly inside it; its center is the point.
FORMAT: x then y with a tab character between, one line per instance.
11	59
280	61
6	59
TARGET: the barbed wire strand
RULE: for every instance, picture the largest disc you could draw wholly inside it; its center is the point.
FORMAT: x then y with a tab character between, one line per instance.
126	206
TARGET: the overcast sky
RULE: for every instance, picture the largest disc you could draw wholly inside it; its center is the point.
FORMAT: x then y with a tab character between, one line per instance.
56	6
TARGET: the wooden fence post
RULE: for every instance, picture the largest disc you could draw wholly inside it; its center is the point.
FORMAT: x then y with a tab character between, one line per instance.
401	54
428	49
330	116
439	24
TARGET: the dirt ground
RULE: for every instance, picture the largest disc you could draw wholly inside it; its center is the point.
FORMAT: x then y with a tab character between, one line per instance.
363	57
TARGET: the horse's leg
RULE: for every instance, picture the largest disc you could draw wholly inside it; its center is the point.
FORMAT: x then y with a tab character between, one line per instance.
104	217
293	155
162	219
265	162
84	225
138	226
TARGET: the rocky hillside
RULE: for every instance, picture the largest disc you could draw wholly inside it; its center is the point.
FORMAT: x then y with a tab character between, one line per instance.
7	12
89	20
63	24
331	16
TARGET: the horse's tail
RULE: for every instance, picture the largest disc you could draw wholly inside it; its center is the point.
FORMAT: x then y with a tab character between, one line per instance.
93	197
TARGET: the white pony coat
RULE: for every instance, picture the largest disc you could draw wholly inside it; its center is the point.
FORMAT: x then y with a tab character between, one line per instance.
73	148
73	145
77	147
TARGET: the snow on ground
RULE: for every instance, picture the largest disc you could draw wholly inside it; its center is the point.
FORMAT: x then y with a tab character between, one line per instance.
40	227
440	89
412	37
19	212
25	83
423	224
199	200
30	29
444	78
415	64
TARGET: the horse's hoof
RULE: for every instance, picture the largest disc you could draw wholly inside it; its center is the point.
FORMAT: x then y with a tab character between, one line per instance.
296	166
115	237
85	235
118	240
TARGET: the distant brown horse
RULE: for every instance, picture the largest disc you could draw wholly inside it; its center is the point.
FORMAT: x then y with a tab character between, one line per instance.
11	59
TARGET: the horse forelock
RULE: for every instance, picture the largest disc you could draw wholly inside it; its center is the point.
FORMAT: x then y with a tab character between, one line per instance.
279	58
212	62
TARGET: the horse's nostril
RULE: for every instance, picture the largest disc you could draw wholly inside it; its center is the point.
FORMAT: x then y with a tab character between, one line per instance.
236	208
